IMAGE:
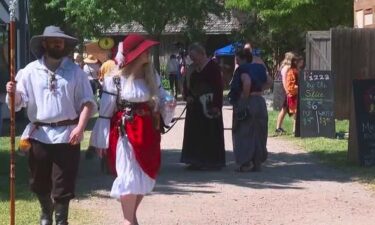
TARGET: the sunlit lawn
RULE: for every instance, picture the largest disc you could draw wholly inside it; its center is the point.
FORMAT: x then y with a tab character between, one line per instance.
330	151
27	207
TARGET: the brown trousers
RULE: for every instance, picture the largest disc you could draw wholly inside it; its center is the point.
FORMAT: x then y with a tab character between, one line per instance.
54	169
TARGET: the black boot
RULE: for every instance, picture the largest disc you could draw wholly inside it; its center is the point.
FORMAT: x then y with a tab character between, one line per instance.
46	205
61	213
90	152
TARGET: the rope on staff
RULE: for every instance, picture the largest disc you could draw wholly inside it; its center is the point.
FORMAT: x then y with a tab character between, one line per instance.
12	64
174	121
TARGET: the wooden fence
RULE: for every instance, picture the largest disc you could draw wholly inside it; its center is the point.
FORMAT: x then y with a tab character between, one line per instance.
349	53
318	50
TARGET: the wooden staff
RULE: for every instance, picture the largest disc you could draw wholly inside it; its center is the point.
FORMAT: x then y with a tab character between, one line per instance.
12	65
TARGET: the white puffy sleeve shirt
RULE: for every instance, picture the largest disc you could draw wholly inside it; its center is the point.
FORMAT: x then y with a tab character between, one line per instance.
45	103
136	91
100	134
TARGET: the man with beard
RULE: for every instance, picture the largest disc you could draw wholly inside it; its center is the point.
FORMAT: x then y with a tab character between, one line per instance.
59	102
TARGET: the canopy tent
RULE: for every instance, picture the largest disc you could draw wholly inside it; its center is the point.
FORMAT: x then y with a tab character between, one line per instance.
230	50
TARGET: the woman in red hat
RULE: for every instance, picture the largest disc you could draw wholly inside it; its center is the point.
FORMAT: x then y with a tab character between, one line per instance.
127	129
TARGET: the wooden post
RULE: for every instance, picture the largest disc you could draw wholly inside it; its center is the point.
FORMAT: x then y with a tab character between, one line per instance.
12	64
353	151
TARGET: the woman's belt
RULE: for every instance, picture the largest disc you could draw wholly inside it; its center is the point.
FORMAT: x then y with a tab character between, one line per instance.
142	112
58	124
256	93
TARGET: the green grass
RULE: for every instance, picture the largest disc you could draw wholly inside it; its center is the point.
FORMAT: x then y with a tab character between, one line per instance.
165	82
27	206
329	151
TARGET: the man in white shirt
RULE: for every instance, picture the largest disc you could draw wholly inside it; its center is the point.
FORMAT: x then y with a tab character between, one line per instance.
59	102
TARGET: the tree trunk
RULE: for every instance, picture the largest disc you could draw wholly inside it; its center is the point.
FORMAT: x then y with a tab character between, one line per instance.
156	58
156	53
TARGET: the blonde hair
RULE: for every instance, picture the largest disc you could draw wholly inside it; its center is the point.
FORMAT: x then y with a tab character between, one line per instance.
150	77
287	61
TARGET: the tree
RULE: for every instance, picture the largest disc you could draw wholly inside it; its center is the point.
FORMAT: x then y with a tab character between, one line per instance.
93	17
41	16
281	25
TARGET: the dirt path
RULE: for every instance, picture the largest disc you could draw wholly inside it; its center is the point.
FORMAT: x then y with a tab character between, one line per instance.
293	188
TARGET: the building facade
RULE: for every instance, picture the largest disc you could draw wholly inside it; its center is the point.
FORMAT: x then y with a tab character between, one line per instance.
364	13
217	34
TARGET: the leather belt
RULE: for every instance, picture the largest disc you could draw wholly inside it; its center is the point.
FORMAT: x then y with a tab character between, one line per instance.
256	93
142	112
58	124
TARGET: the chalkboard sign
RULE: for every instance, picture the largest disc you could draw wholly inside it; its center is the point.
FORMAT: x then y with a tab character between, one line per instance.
316	108
364	108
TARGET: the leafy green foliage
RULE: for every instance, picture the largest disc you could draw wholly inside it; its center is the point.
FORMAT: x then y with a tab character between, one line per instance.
41	16
280	25
91	18
88	18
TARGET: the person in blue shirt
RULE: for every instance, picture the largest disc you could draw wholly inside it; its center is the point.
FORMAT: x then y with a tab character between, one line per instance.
250	118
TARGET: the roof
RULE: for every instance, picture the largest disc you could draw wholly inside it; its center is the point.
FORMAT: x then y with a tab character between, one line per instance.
213	25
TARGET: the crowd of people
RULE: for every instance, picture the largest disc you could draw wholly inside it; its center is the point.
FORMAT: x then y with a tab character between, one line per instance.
133	106
95	69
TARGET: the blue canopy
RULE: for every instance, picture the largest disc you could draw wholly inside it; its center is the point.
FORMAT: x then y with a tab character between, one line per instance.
230	50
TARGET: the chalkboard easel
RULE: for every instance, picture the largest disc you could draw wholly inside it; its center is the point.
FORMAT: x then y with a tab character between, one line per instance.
316	108
362	123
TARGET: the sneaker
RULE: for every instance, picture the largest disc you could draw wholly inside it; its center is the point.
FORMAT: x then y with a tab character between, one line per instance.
280	131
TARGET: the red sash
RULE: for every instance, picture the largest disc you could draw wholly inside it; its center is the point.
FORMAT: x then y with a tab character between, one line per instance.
143	137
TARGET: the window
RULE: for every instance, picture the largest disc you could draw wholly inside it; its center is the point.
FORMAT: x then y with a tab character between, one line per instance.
359	18
368	17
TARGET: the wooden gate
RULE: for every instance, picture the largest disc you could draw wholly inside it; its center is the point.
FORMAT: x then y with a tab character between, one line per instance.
318	50
348	53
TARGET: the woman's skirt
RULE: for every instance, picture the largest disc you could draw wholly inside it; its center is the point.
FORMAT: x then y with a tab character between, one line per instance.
250	130
131	179
137	154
